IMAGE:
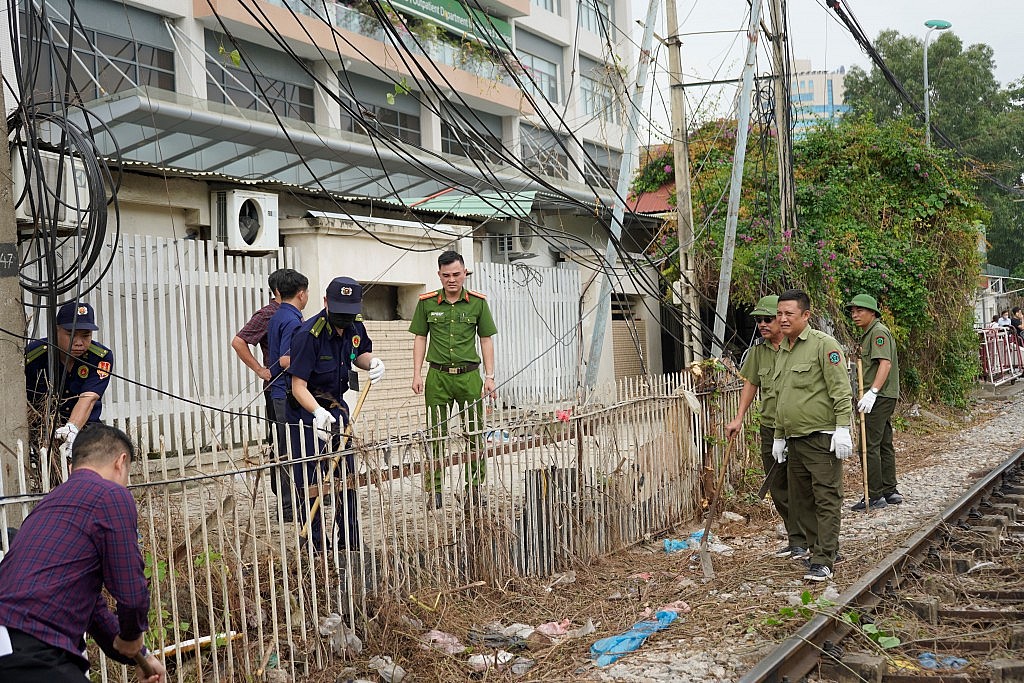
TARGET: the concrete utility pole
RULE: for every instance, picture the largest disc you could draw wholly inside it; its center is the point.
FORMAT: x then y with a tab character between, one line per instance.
13	414
692	343
736	182
783	120
626	166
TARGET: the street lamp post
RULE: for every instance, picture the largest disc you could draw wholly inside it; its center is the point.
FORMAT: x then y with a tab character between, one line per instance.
933	25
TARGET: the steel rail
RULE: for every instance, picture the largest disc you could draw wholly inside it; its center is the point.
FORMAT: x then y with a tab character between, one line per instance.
797	656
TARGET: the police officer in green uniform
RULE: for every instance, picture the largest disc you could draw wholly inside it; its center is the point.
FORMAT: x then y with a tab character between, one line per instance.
452	318
757	372
882	382
813	414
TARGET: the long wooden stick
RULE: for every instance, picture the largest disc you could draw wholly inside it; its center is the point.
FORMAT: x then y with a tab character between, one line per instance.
336	459
863	437
705	558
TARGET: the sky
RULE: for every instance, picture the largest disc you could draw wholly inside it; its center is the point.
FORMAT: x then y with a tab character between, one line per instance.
817	34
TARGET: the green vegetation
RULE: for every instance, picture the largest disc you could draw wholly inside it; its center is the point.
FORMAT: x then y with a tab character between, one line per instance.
878	213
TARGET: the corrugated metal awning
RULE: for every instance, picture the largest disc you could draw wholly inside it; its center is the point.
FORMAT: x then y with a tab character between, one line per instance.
482	205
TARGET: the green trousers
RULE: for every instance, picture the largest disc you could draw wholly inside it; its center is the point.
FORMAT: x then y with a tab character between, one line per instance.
816	494
441	392
778	486
881	454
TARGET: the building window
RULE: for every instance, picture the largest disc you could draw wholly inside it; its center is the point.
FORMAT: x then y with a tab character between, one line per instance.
258	93
549	5
405	127
544	153
102	64
598	100
600	176
470	144
595	16
541	79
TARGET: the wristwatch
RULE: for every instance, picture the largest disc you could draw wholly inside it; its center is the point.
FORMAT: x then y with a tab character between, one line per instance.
873	390
488	376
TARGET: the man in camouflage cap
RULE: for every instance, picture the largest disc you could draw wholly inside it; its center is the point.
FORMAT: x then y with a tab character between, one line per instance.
882	382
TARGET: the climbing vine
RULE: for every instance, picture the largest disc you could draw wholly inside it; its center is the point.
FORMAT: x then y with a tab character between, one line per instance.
878	213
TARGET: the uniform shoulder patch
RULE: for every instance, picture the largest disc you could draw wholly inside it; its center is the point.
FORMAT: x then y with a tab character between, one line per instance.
98	350
834	357
478	295
359	317
35	353
318	327
428	295
880	340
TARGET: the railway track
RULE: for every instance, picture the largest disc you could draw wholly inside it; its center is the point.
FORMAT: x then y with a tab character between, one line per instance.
955	589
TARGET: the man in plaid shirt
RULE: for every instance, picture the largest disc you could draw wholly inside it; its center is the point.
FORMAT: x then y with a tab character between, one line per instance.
81	538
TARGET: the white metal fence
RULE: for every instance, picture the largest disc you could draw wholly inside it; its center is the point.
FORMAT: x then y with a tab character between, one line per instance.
1001	354
168	309
539	334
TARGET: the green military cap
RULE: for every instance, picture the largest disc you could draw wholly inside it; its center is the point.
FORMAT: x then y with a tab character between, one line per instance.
865	301
766	305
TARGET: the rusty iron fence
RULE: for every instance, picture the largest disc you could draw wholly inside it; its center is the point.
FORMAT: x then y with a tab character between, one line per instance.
560	488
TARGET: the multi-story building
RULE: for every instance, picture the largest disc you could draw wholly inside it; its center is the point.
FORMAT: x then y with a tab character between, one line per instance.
350	109
817	96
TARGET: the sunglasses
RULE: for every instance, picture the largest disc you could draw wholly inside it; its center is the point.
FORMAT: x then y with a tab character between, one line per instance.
764	319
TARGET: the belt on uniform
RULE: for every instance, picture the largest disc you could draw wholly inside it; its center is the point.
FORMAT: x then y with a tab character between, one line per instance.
454	369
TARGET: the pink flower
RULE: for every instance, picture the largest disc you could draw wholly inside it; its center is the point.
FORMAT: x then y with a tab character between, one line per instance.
563	415
786	234
668	168
832	256
785	249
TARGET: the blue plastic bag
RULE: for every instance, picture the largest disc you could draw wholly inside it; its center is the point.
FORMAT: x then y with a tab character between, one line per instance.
929	660
607	650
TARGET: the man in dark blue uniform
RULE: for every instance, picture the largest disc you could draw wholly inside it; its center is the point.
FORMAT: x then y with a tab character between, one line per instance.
86	365
323	350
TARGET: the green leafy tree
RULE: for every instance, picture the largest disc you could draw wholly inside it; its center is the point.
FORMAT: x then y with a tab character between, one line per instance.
969	106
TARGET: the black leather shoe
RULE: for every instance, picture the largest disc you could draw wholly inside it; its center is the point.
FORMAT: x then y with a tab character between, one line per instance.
894	498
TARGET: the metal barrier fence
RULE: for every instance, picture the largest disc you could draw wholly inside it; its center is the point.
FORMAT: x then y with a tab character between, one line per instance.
1002	355
560	489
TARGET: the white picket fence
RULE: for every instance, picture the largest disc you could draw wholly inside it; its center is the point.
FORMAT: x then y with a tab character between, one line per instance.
538	341
168	309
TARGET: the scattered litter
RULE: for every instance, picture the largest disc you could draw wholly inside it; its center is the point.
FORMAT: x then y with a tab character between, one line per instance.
904	664
679	606
412	622
563	579
388	670
733	517
554	628
501	436
522	665
344	642
563	415
497	660
445	642
494	637
518	630
646	576
831	593
584	630
673	545
930	660
608	650
617	595
982	565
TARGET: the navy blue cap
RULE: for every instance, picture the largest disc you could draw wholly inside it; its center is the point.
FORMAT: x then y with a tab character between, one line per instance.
344	295
78	316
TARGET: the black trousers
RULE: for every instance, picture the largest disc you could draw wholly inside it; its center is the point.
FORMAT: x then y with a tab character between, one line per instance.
33	661
280	480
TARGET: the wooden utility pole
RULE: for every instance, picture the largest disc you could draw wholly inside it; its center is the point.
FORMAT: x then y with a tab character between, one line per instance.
13	413
627	165
736	181
692	343
783	118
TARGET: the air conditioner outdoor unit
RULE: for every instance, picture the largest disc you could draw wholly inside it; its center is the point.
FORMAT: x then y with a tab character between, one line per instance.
33	204
245	220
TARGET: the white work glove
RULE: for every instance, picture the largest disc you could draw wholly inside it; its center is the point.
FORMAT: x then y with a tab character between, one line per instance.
842	443
322	421
867	401
67	433
376	371
779	450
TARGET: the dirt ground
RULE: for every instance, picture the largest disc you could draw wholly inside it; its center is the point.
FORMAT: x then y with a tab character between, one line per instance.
617	591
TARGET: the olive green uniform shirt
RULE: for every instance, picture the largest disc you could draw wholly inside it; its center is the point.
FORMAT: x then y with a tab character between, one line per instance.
812	386
452	329
876	344
759	369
